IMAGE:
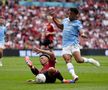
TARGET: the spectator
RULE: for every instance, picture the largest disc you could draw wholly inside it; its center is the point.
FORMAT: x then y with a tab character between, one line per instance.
27	23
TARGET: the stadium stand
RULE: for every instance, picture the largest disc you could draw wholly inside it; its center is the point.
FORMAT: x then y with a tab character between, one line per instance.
25	24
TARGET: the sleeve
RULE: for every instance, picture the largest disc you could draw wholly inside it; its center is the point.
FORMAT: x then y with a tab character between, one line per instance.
80	26
5	29
62	22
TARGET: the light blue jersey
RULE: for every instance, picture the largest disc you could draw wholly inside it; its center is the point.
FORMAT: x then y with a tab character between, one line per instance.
71	32
2	34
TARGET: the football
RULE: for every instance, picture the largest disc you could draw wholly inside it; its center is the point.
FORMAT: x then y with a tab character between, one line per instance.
40	78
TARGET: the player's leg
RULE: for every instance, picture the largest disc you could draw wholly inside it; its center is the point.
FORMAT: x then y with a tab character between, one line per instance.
1	55
80	59
49	77
51	44
70	66
67	57
52	70
59	76
55	73
92	61
45	44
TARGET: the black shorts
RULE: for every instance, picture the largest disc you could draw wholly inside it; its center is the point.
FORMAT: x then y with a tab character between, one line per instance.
49	78
46	42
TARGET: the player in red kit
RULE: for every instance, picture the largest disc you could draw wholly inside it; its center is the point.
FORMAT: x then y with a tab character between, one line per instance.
49	37
48	61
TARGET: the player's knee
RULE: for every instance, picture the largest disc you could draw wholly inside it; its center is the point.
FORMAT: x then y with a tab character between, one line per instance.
79	60
51	70
1	54
67	58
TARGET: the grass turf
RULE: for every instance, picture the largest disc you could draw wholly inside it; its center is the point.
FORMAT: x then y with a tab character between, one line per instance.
14	73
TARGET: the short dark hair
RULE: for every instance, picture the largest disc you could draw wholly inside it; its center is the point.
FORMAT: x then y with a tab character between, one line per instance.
45	55
75	10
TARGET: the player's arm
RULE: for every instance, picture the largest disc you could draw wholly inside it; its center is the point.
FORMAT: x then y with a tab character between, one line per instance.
50	33
57	22
82	33
50	53
42	51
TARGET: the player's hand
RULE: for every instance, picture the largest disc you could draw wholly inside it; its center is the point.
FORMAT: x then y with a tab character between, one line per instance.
51	13
35	49
47	33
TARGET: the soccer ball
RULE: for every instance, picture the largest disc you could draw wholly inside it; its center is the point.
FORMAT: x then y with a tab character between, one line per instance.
40	78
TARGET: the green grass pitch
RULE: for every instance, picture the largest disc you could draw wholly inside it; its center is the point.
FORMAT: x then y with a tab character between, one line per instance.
14	73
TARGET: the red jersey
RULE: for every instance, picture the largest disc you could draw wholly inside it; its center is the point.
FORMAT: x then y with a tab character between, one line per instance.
50	64
50	29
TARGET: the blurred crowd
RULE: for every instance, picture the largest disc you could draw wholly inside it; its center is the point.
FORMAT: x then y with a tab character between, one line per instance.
94	16
26	24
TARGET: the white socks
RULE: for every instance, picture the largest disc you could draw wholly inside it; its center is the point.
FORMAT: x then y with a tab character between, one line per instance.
92	61
71	70
87	60
1	62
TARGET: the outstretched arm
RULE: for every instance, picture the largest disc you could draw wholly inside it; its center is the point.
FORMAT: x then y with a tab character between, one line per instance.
57	22
50	33
43	51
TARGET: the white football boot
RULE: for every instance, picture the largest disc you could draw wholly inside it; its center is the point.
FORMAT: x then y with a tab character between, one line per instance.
95	62
1	64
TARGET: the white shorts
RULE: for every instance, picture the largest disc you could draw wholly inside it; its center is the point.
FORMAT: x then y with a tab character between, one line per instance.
71	49
2	46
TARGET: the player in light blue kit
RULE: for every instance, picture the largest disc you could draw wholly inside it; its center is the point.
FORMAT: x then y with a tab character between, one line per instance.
72	28
2	38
